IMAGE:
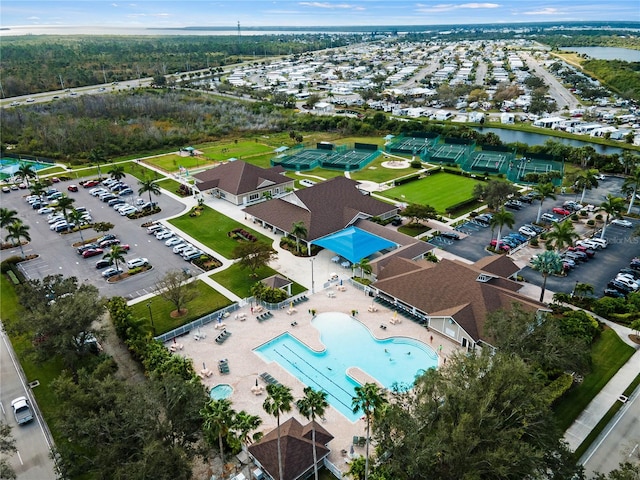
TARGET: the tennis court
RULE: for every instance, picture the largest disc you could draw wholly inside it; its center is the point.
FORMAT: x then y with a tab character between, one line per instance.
340	158
349	160
304	159
492	162
520	168
410	145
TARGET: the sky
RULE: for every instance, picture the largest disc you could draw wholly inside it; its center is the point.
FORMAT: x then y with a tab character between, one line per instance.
137	14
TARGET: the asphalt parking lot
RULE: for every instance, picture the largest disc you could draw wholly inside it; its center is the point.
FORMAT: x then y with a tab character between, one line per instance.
597	271
58	256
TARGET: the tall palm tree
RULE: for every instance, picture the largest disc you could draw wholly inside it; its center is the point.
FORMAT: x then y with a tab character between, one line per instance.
279	399
586	180
547	263
7	217
299	230
37	189
116	255
369	398
611	206
77	217
583	289
218	420
148	186
17	231
630	187
562	234
244	424
117	172
365	267
25	172
311	406
97	156
544	191
501	218
65	204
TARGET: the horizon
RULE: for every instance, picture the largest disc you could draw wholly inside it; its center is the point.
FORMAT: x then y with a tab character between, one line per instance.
52	17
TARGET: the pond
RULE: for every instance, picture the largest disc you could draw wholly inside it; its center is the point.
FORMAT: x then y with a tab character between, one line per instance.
608	53
512	136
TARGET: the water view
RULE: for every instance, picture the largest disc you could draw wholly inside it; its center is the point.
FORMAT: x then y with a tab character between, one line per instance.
608	53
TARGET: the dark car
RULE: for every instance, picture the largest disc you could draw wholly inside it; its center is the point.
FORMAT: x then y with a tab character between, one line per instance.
513	204
396	222
111	272
612	292
85	247
108	236
108	243
450	235
104	263
587	251
621	287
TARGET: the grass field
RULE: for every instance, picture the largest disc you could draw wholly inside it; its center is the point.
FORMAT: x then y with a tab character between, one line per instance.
237	149
169	184
172	162
440	191
240	282
208	300
375	172
608	354
211	228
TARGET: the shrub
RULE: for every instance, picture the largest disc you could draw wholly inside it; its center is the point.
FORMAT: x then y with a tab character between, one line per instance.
416	164
591	223
599	217
574	218
559	386
534	242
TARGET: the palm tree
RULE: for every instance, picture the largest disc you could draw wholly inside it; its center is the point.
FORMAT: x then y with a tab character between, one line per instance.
582	289
369	398
299	230
77	217
611	206
116	255
278	401
25	172
17	231
37	189
501	218
65	203
586	180
365	266
148	186
218	419
630	187
311	406
547	263
244	424
544	191
97	156
7	217
562	234
117	172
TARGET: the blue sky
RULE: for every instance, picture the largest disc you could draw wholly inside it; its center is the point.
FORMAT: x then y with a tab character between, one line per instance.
177	13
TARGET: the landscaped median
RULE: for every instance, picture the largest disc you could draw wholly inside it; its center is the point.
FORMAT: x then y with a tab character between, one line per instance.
212	229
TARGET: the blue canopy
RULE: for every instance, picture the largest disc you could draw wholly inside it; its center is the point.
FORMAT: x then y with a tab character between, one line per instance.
354	244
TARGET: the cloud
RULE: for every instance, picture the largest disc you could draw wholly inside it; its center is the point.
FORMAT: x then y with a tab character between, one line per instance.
115	5
33	18
543	11
447	7
331	6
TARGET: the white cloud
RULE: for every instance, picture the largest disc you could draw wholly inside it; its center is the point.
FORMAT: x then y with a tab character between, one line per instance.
115	5
343	6
447	7
33	18
543	11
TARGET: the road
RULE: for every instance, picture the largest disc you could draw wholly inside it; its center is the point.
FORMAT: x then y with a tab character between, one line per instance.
619	442
31	461
558	92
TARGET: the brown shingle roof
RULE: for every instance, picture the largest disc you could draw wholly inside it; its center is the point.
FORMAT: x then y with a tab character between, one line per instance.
239	177
325	208
297	449
276	281
500	265
450	288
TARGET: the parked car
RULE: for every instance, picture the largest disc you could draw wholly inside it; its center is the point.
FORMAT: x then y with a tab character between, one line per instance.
513	204
561	211
621	287
635	274
21	410
527	231
44	210
612	292
87	246
589	252
92	252
107	197
193	255
621	223
6	189
115	201
112	272
450	235
108	236
137	262
155	228
104	263
627	280
124	192
547	217
181	247
164	234
503	245
173	241
90	183
396	222
109	243
128	211
72	188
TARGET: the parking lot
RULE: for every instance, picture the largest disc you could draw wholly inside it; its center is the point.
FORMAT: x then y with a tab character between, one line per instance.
597	271
58	256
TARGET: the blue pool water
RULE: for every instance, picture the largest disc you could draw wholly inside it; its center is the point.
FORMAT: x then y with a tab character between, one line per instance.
9	166
221	391
348	343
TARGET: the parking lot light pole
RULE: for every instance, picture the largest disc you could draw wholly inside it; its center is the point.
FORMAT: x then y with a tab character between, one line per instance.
312	282
153	327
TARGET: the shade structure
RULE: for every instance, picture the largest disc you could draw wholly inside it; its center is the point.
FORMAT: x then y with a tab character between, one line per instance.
354	244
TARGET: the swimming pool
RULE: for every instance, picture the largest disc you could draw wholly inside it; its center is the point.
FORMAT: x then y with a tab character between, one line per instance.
9	166
348	343
221	391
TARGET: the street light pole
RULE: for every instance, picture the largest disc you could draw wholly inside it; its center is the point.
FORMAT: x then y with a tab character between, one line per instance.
312	282
153	327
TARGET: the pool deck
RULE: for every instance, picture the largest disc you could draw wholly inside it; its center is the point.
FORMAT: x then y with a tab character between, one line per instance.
245	366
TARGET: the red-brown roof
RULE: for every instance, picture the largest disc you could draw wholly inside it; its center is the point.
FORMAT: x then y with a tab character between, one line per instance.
239	177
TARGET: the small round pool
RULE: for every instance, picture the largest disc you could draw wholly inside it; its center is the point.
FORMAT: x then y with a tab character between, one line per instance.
221	391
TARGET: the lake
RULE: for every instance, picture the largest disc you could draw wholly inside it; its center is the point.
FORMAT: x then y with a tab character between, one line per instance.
608	53
513	136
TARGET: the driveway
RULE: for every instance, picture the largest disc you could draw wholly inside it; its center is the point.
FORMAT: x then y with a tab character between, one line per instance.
57	254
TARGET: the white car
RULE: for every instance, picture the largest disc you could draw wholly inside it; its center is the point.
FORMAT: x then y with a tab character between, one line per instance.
549	218
21	410
181	247
164	234
137	262
589	244
129	210
622	223
627	280
44	210
57	224
529	232
173	241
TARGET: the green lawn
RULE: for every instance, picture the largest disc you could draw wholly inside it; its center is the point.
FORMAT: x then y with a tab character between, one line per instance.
211	229
608	354
237	149
440	191
172	162
239	282
168	184
207	301
375	172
